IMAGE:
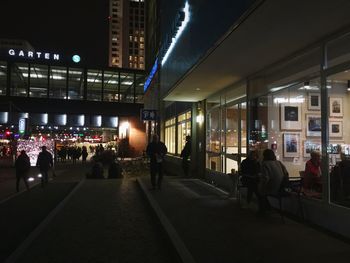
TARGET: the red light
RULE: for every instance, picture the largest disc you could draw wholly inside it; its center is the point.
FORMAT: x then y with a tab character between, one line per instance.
7	133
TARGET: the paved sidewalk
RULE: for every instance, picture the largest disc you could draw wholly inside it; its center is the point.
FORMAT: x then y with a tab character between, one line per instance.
103	221
215	229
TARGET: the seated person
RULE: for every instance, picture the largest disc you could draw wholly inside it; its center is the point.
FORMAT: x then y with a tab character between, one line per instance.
312	176
250	169
114	170
273	179
340	179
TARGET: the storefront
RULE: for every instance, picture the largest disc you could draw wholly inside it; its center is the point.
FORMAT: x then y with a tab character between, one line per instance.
297	107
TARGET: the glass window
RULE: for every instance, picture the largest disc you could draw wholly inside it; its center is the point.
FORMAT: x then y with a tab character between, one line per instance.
338	51
213	160
94	85
127	87
3	77
170	135
232	137
58	82
38	81
110	88
140	81
76	84
183	129
19	79
338	138
289	122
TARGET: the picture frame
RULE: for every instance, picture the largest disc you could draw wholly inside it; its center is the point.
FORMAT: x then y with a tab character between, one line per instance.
309	146
335	128
335	107
313	125
314	101
290	116
291	145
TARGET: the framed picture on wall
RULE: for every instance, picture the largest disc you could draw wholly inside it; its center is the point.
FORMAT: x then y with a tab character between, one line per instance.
335	128
313	125
290	114
310	146
291	145
335	107
314	101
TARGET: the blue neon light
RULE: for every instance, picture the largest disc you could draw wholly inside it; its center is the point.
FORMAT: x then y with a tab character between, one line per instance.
186	10
151	75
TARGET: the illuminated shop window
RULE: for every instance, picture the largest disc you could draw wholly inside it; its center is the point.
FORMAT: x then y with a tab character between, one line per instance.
183	129
170	135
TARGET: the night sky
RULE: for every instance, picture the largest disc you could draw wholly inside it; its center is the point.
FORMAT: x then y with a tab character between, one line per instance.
64	26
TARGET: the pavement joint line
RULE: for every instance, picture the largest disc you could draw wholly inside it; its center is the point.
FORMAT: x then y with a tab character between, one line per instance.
16	254
213	186
181	249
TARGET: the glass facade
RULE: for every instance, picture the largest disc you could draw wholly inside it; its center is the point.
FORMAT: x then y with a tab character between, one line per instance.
58	82
298	109
94	85
170	135
183	129
38	81
19	79
75	84
176	130
3	78
110	86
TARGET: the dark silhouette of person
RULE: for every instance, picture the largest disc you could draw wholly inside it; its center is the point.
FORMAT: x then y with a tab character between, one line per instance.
22	165
156	150
84	153
44	162
185	154
250	169
114	170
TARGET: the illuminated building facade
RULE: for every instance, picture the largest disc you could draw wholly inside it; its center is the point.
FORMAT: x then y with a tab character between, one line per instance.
127	34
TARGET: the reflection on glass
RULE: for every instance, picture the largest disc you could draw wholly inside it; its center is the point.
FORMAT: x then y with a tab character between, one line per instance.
3	77
110	88
38	81
338	148
58	82
94	85
127	87
19	79
75	84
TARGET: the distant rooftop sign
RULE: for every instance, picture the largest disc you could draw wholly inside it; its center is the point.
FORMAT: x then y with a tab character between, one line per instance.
33	54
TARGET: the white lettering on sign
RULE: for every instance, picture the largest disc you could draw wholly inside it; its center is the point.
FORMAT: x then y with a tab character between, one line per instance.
32	54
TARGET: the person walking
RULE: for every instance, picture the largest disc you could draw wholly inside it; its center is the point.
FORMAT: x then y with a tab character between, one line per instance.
22	165
44	162
185	154
84	153
156	150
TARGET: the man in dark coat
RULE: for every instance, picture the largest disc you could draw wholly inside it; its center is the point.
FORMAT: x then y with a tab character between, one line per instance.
185	154
156	150
44	162
22	165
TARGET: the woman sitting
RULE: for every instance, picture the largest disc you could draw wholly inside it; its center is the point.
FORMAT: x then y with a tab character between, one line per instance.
274	178
312	177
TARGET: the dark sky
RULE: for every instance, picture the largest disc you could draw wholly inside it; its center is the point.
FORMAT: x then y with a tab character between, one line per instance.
64	26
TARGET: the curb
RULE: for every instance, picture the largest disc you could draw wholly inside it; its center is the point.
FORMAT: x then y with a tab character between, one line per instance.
15	255
181	250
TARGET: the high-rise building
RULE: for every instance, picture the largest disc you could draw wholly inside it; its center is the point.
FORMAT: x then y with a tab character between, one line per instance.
127	34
